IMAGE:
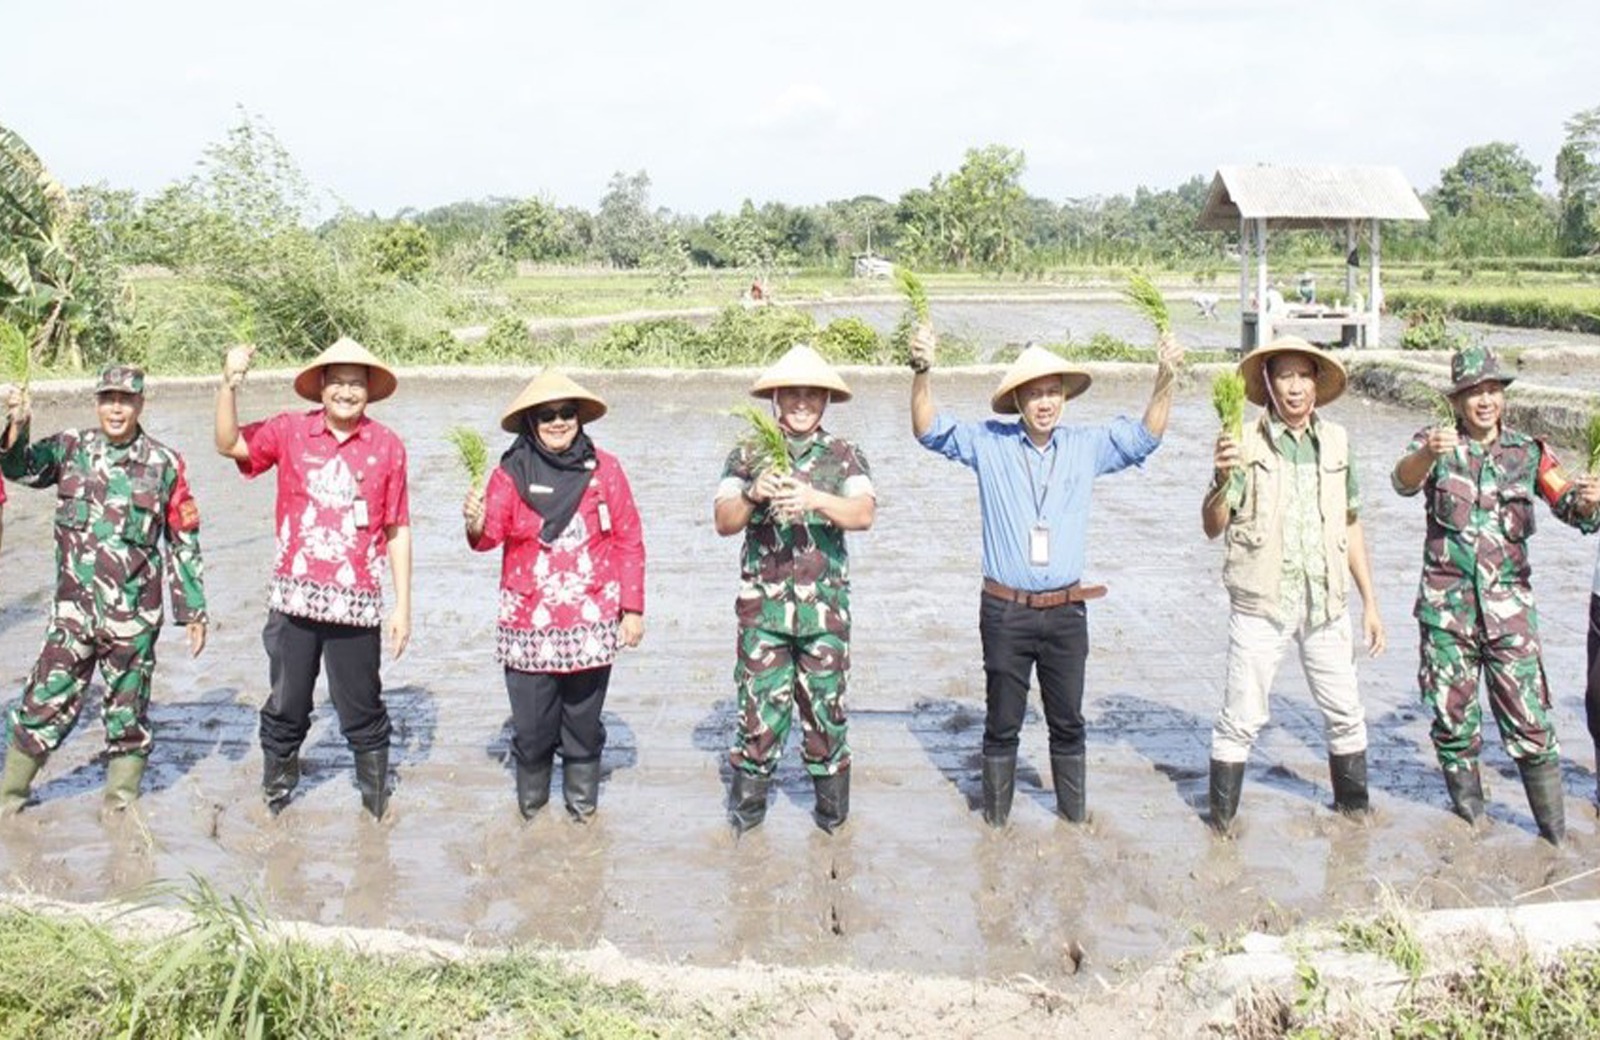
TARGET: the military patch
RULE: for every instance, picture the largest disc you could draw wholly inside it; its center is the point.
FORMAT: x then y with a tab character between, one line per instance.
188	515
1553	480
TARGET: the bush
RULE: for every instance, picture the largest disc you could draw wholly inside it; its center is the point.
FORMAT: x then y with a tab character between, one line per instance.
850	341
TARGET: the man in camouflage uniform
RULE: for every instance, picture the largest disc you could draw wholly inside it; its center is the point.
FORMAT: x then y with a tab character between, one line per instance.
794	594
1474	604
120	493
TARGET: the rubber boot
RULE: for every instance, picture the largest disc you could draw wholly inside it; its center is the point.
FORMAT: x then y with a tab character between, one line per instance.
21	768
1349	774
1466	792
533	787
1546	798
580	786
1068	773
833	800
1227	782
999	784
747	802
123	774
372	779
279	776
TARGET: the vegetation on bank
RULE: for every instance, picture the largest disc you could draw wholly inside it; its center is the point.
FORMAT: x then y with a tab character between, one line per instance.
1567	308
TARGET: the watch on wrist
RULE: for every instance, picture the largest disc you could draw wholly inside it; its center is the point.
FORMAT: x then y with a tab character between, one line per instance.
920	365
745	494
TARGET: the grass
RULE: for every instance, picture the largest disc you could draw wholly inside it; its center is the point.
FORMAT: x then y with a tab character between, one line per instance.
1591	443
228	974
472	452
15	362
766	438
1148	301
1227	397
1387	935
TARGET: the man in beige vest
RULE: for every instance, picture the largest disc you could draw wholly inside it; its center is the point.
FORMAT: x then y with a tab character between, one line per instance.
1286	496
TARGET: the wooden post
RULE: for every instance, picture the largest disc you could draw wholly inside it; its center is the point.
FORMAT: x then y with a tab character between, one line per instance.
1372	287
1246	247
1263	321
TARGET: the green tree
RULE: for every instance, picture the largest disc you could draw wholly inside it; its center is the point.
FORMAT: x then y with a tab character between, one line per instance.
1578	184
404	250
536	230
1488	175
626	230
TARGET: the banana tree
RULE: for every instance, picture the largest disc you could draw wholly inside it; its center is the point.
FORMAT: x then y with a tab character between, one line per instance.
37	270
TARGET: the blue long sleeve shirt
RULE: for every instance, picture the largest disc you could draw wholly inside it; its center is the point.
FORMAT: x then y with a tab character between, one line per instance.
1021	485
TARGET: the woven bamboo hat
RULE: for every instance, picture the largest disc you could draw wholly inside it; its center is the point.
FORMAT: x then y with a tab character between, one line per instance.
381	381
801	366
1036	362
1330	373
550	385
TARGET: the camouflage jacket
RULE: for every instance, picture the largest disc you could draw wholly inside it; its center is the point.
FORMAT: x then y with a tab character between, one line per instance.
794	577
113	508
1480	514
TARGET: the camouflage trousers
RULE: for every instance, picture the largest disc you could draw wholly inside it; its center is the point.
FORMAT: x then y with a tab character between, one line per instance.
777	674
1519	697
52	700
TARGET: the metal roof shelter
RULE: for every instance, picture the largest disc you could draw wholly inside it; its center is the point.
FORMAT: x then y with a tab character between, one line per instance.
1253	199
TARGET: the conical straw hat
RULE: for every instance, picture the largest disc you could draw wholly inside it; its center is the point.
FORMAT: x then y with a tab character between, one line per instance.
550	385
1330	373
801	366
1034	363
381	381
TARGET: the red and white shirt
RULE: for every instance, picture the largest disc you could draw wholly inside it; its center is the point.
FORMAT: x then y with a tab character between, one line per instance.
561	603
335	502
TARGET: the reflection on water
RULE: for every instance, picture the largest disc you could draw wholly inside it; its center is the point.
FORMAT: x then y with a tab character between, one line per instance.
915	882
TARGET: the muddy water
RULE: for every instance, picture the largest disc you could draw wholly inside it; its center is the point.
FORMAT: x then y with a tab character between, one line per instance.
916	882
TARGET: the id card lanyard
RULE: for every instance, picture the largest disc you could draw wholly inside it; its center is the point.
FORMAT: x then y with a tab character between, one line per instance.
1039	533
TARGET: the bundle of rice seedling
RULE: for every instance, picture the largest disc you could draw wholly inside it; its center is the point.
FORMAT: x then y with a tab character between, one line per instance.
1227	397
1591	436
1148	301
1444	413
474	453
766	437
912	289
14	359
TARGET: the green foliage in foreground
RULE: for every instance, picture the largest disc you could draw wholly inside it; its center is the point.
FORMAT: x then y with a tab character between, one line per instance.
228	975
1572	310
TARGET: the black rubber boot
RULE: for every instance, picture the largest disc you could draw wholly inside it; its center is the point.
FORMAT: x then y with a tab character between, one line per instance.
833	800
1466	792
1068	773
580	786
1227	781
747	801
1349	773
1546	798
999	784
279	775
533	787
372	778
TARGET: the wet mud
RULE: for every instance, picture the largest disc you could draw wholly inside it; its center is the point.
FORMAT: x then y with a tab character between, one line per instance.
915	881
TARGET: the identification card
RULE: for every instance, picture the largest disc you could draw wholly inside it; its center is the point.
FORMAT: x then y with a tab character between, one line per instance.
1039	544
359	507
605	518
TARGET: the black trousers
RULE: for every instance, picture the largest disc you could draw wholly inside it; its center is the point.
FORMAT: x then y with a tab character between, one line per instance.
1016	641
1591	697
297	648
551	709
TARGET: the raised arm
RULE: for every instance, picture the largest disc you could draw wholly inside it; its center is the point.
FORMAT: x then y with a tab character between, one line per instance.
228	440
924	344
1169	355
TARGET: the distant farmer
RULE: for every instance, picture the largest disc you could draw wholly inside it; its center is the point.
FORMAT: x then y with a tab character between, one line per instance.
1034	482
342	508
571	584
1286	497
1474	604
794	588
121	496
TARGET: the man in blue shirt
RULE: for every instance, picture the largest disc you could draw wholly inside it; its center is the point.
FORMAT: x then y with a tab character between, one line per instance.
1034	480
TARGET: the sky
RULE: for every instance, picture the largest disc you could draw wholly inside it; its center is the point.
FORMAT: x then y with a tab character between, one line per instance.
410	104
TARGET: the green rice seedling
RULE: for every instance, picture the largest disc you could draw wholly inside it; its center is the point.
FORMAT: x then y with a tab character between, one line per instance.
14	359
474	454
1444	413
766	437
1148	301
1227	397
1591	439
913	290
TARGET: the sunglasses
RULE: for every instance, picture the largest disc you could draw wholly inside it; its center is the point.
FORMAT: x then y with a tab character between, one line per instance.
566	413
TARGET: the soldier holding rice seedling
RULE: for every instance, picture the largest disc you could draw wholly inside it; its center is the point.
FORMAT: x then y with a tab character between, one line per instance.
1285	495
792	490
1034	482
571	582
124	514
1591	697
1474	604
343	508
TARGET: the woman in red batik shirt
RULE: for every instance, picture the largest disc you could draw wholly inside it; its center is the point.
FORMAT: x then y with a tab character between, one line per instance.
571	584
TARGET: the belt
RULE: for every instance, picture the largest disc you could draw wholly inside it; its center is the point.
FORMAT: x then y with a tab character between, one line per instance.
1074	593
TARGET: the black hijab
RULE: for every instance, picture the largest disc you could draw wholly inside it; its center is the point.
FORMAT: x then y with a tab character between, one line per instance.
551	482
